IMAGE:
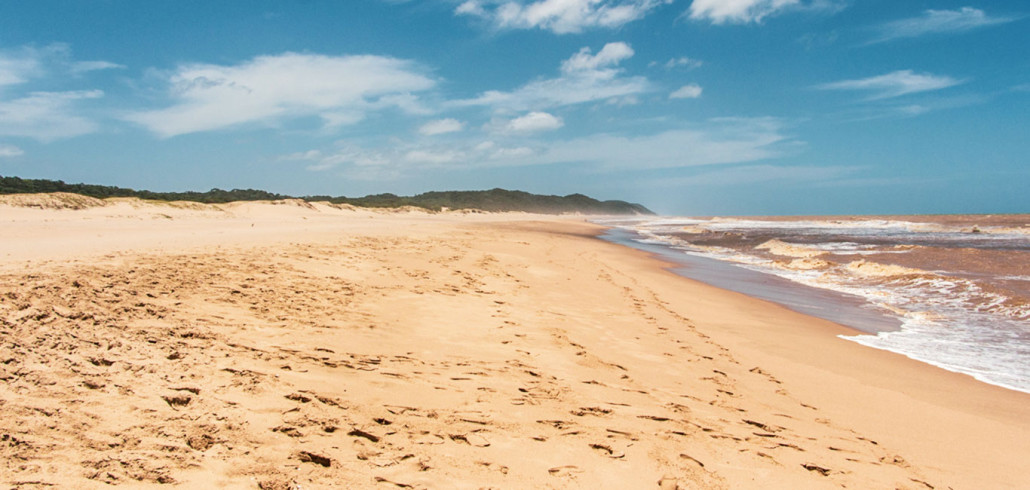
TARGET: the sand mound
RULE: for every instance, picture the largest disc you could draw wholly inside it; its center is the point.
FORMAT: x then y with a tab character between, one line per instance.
339	206
404	210
300	203
54	200
785	249
152	205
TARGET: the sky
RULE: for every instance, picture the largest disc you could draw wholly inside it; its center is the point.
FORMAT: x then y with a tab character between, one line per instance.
690	107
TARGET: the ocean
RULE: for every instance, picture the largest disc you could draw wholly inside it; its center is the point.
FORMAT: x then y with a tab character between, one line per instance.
952	291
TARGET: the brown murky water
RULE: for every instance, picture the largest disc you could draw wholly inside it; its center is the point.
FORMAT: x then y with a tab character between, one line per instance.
959	284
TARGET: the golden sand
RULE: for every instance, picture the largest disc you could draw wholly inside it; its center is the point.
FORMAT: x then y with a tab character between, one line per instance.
262	345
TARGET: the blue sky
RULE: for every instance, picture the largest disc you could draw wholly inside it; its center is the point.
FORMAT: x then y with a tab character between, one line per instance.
687	106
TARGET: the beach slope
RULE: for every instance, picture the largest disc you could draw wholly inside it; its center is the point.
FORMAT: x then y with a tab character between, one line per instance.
288	344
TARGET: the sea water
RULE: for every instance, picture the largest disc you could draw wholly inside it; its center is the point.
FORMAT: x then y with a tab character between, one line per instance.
952	291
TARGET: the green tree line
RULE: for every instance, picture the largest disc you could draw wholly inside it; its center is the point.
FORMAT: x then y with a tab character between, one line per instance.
496	200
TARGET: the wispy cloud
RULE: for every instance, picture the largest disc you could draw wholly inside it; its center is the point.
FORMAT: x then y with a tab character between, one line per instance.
80	67
748	11
16	69
270	89
441	126
9	151
559	16
585	77
691	91
894	84
46	116
900	108
938	22
29	62
681	61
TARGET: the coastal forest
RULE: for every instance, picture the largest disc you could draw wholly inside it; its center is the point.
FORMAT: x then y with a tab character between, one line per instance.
494	200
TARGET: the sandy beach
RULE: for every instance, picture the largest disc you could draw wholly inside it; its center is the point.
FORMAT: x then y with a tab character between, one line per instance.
302	345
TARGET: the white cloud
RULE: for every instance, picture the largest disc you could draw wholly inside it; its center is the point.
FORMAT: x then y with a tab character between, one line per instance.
17	69
894	84
737	11
517	152
311	155
559	16
684	62
471	7
80	67
691	91
433	157
534	122
610	55
937	22
747	11
585	77
28	62
441	126
9	151
335	119
268	89
46	116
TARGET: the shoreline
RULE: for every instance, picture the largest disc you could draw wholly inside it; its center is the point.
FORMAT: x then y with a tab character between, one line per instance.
767	287
887	382
482	349
865	326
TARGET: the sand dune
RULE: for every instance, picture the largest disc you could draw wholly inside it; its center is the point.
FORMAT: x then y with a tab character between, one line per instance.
292	345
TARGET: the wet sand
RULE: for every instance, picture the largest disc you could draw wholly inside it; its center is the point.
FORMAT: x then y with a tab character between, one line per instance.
270	345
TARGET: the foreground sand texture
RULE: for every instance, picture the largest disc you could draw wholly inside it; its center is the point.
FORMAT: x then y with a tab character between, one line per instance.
291	345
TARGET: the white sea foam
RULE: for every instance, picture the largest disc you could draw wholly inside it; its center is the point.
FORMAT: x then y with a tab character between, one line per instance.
946	321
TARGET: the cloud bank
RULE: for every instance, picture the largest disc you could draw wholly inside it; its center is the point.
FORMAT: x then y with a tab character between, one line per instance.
718	141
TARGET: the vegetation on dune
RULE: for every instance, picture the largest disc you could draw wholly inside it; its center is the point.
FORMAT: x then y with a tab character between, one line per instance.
495	200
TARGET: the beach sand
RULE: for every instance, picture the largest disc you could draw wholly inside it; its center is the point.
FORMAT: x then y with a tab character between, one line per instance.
295	345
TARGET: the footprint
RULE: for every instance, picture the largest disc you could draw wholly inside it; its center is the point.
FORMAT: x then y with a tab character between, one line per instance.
567	470
471	439
608	451
816	469
432	439
595	411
